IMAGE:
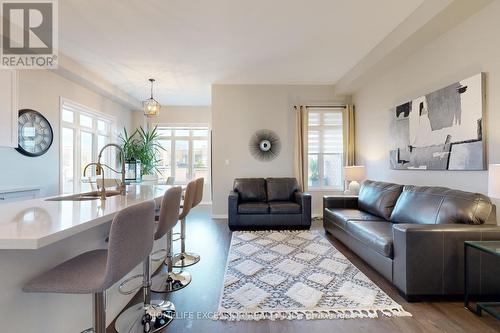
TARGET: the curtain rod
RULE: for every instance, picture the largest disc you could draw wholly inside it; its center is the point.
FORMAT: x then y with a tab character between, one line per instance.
343	106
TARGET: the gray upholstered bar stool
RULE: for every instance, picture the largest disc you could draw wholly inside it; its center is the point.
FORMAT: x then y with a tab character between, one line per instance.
130	242
172	281
132	319
185	259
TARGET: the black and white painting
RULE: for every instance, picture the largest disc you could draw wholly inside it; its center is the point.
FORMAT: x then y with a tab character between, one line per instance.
442	130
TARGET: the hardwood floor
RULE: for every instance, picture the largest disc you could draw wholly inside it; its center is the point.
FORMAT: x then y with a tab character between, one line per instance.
211	238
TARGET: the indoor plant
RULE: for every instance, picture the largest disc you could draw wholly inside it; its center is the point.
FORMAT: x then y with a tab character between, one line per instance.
142	147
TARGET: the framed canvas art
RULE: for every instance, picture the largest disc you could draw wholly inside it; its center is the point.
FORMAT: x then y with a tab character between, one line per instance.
443	130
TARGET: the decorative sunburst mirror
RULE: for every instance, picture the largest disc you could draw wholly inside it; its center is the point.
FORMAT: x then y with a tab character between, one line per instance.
265	145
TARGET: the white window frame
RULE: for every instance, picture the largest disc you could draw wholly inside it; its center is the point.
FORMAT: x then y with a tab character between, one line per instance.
80	109
321	128
190	138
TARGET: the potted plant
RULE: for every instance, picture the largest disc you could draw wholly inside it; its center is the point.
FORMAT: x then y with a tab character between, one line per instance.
142	149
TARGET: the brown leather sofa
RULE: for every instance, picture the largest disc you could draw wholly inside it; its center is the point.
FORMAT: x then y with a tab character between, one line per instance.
271	203
414	236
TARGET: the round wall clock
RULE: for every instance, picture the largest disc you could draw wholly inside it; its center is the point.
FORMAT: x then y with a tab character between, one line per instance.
35	133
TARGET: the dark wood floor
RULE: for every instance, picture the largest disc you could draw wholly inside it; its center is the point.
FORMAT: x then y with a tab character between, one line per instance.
211	239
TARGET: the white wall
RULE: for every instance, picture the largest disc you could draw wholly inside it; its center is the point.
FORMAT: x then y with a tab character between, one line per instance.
240	110
183	115
468	49
41	90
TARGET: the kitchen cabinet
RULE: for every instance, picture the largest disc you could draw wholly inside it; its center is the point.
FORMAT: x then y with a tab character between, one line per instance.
8	108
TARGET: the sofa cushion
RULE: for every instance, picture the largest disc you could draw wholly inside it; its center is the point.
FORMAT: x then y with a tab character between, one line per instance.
253	208
251	189
281	189
284	207
342	215
375	235
379	198
440	205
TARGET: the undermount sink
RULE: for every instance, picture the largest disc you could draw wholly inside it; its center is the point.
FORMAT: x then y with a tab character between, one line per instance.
84	196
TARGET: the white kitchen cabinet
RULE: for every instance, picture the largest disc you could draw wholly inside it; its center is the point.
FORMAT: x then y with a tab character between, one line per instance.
8	108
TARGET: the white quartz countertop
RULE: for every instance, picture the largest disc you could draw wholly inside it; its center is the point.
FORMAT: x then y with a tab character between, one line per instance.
33	224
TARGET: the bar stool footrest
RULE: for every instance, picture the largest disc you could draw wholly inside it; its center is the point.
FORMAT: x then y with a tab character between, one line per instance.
127	280
163	257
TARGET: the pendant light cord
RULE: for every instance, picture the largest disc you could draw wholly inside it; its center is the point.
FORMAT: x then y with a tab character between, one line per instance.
152	82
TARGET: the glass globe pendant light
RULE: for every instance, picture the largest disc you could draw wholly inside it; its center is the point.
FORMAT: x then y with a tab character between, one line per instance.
151	105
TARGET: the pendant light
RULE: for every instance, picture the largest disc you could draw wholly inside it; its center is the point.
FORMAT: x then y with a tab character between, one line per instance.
151	105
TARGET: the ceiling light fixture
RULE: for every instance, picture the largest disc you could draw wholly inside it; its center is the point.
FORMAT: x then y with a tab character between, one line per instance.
151	105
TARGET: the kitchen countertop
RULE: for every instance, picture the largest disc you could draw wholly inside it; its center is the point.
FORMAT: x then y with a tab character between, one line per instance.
33	224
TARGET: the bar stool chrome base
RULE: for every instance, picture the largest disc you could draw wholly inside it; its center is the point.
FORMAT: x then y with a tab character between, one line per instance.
146	318
166	282
182	260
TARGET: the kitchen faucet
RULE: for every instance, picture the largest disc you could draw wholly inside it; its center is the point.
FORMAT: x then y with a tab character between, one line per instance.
100	170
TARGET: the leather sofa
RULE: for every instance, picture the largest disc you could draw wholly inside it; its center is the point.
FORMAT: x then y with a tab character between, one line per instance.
272	203
414	236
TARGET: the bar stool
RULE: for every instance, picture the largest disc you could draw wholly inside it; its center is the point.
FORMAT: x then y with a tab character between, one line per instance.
130	242
172	281
185	259
132	319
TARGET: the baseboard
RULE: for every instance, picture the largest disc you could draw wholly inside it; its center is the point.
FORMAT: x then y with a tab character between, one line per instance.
219	216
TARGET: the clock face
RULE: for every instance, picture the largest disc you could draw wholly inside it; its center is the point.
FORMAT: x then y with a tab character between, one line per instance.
35	133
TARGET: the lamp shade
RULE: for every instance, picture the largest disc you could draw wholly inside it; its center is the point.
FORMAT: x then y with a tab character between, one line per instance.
494	181
354	173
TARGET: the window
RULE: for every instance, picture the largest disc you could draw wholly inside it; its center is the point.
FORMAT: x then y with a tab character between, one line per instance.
325	149
83	133
186	154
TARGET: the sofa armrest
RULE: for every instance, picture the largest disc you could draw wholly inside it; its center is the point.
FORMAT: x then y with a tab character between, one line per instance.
429	259
304	200
232	202
340	202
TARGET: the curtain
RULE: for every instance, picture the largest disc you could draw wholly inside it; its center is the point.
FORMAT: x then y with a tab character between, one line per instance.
300	151
349	136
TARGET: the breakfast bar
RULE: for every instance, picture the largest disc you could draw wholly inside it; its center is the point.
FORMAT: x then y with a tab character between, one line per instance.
36	235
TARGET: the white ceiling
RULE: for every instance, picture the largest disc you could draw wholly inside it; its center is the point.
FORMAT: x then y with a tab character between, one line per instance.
187	45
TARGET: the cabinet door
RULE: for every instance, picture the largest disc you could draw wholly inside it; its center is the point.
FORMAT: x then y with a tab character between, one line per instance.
8	108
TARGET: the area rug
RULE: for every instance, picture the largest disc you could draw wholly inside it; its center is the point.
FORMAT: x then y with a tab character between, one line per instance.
280	275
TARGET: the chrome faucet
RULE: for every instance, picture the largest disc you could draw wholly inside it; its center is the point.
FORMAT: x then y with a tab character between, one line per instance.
100	170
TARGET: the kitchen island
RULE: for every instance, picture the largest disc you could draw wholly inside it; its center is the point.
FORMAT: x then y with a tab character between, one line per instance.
36	235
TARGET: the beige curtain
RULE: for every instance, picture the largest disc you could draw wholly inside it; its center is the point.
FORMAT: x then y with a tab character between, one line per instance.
349	136
300	151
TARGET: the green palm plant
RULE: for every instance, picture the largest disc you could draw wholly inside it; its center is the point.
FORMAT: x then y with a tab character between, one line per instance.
149	150
143	146
129	144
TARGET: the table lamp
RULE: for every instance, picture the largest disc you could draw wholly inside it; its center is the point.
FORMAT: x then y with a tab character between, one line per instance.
354	174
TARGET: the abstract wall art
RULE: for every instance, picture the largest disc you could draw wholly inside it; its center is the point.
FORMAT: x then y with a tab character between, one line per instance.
442	130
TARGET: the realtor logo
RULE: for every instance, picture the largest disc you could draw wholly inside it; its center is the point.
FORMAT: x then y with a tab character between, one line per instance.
29	34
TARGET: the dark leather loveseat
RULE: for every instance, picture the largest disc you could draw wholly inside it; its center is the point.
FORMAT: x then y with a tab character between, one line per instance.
272	203
414	236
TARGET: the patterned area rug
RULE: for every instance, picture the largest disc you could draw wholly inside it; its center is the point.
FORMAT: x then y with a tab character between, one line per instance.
296	275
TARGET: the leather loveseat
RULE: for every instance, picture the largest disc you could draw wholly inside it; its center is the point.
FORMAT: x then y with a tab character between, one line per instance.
272	203
414	236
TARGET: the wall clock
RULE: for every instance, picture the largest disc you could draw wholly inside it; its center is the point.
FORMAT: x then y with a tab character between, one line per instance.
35	133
